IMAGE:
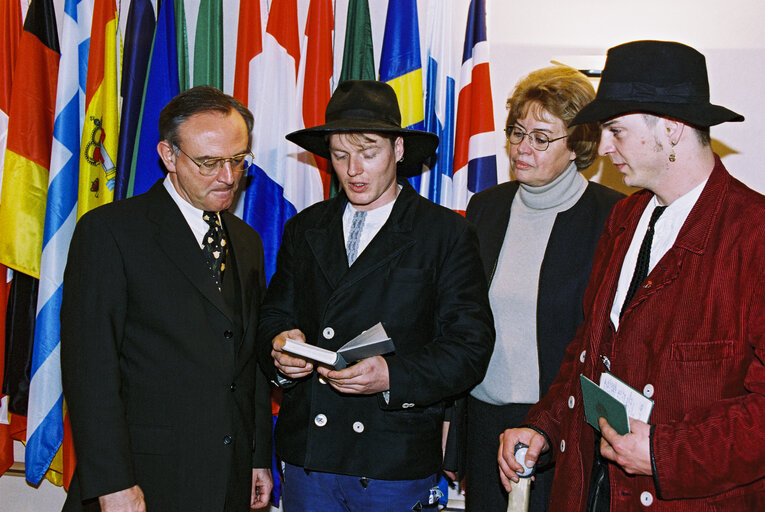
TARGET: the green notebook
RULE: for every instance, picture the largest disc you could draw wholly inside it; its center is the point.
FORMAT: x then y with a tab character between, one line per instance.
599	404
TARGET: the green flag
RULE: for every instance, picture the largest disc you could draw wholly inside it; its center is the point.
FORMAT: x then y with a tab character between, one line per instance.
358	54
208	44
181	42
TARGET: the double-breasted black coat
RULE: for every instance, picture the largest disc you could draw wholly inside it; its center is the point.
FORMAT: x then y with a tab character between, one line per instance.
158	365
421	276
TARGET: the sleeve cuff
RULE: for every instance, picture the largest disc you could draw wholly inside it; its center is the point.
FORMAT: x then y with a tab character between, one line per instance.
653	463
545	458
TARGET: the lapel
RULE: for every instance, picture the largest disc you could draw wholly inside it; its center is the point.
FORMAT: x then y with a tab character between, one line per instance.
243	262
173	236
604	296
498	217
328	245
692	238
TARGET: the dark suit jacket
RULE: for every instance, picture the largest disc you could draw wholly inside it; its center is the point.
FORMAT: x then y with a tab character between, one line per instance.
421	276
565	267
562	279
158	365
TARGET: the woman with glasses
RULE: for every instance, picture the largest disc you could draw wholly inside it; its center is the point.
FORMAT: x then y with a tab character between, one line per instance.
538	236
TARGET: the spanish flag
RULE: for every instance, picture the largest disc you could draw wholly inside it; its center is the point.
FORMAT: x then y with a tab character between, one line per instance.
100	133
30	131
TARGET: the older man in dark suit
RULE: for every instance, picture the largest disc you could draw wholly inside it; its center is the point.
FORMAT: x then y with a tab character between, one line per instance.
169	411
369	437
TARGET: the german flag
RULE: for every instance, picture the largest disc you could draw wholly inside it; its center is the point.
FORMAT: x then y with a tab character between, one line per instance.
30	132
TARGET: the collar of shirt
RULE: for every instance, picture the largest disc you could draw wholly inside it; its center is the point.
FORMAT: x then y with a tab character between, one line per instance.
191	213
373	222
665	233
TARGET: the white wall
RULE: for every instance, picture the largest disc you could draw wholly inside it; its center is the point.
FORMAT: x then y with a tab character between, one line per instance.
727	33
525	36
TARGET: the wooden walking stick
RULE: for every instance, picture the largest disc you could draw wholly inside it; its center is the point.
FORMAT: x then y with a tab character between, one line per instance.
519	496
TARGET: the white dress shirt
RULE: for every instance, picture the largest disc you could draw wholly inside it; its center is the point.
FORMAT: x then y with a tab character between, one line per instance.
665	233
191	213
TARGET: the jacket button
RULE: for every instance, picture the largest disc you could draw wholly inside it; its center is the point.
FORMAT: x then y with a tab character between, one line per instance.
358	427
228	335
582	356
320	420
328	333
571	402
322	380
562	445
646	498
227	440
233	386
648	390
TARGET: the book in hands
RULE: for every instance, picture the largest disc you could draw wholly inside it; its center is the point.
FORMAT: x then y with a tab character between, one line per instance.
598	403
372	342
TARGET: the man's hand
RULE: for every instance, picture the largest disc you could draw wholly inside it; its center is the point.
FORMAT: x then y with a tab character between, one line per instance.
126	500
291	366
262	483
506	456
631	451
367	377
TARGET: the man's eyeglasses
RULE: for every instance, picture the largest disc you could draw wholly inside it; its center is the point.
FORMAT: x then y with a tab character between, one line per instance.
537	140
211	166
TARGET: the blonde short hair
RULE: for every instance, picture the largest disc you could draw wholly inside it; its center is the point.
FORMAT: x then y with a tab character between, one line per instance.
560	91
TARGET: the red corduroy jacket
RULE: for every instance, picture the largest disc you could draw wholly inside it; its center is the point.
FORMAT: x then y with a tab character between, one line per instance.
693	340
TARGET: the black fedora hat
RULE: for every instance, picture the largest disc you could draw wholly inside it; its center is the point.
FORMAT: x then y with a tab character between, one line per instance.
367	106
664	78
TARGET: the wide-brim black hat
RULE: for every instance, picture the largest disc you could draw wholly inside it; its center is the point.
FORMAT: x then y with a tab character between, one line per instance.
663	78
367	106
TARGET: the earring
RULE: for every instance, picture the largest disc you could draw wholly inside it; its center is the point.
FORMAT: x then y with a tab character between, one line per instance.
401	160
672	156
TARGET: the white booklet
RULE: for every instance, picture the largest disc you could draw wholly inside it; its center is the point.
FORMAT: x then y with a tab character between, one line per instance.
637	405
372	342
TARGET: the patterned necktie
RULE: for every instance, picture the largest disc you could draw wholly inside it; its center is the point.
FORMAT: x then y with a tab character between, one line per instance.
357	225
214	246
643	259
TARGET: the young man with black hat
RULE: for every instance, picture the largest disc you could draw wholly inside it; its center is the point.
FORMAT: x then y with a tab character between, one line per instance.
369	437
675	309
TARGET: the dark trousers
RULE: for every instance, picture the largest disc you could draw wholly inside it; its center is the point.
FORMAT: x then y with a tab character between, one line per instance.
483	488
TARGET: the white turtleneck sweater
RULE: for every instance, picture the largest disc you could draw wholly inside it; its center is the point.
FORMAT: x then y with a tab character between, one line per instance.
513	373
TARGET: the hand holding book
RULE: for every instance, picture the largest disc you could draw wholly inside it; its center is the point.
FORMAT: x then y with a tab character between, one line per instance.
290	366
371	342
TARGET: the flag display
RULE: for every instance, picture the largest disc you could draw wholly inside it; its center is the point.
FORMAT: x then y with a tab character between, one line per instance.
10	26
315	77
208	44
161	86
440	105
138	37
401	66
358	50
30	131
475	160
280	185
100	134
68	144
45	422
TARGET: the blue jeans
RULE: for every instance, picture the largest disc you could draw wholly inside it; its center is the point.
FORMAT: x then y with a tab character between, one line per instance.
327	492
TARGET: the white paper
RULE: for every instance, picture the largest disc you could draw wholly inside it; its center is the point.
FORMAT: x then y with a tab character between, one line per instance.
4	419
306	350
637	405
